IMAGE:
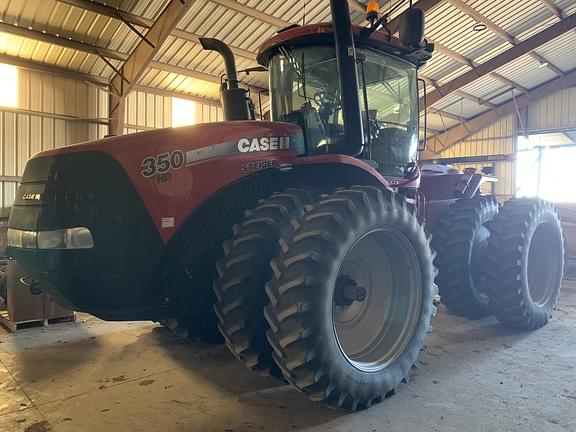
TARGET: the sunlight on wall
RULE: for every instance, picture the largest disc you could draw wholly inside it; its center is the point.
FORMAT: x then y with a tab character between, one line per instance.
545	168
183	112
8	85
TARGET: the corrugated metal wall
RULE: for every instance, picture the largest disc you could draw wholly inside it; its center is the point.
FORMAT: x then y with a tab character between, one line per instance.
555	111
146	111
495	139
56	111
208	113
53	111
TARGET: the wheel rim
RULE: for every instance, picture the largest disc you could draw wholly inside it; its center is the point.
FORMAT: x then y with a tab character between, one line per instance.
544	264
374	331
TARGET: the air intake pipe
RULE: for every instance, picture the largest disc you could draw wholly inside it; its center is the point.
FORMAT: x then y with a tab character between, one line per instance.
235	101
347	72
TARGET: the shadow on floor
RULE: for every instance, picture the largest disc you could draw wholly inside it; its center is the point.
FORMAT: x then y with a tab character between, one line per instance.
258	396
46	363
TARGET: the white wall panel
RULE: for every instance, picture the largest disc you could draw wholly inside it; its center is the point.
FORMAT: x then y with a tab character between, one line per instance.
145	111
497	138
53	111
555	111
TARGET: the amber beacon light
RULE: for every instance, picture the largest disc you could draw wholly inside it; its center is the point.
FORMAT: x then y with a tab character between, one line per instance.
372	10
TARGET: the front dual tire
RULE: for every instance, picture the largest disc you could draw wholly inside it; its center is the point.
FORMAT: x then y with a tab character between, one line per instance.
245	269
351	299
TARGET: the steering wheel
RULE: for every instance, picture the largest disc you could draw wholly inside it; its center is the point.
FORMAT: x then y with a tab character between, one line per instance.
325	99
375	127
320	98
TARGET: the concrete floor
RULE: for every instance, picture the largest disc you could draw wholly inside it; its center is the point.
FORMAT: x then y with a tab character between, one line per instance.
96	376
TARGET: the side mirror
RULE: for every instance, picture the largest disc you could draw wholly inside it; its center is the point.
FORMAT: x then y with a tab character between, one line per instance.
422	85
411	28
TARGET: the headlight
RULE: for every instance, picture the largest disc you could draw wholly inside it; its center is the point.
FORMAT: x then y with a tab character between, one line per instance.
21	239
69	238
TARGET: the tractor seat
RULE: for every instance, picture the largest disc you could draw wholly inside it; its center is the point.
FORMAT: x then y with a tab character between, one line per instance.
309	121
390	145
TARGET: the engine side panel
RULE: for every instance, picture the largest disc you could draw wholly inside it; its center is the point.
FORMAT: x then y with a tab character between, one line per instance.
157	233
175	170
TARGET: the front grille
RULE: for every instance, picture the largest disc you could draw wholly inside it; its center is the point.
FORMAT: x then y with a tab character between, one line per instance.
92	190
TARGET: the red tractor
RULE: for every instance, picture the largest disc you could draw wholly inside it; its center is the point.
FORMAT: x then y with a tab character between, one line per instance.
326	275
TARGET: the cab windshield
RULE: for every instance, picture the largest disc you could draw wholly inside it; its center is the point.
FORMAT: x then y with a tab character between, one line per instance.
305	90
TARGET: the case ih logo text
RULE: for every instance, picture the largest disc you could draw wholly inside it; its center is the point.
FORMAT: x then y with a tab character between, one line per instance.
248	145
31	197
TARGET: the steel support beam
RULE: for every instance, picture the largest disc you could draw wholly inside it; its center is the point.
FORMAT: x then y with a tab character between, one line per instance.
91	49
426	6
135	65
181	95
61	41
104	83
252	12
495	28
111	12
551	6
56	70
99	121
462	94
502	59
452	136
194	74
446	114
473	64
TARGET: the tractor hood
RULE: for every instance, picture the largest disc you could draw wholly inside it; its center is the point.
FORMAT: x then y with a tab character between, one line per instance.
200	142
172	171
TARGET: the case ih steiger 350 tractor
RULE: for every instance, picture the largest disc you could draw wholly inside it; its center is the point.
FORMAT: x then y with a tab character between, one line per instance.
301	239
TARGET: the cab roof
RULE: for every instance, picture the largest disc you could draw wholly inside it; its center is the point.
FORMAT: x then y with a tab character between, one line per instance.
323	34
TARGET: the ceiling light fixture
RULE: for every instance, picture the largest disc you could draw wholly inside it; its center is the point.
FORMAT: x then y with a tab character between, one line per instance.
479	26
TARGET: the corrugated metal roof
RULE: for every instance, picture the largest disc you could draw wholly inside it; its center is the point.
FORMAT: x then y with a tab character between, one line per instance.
485	87
446	25
513	16
453	29
527	72
465	108
439	122
440	66
447	101
559	53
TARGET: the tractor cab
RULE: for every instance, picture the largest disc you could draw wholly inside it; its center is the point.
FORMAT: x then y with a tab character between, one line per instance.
305	89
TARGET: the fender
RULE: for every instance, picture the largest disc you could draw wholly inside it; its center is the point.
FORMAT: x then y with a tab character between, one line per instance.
197	243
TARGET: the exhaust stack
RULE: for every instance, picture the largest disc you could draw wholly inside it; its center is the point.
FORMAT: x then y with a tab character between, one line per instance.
235	101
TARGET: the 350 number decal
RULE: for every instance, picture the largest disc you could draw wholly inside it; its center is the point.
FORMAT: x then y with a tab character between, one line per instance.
162	163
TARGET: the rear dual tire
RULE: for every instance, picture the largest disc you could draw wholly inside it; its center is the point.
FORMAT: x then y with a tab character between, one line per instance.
460	241
344	352
524	263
